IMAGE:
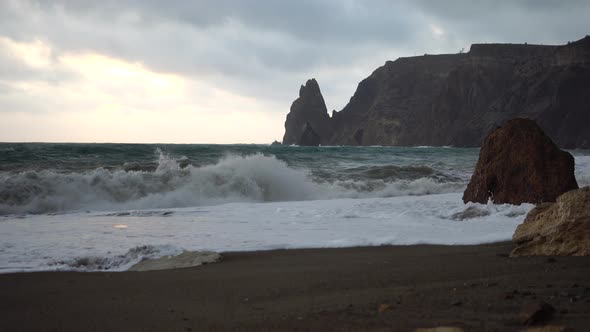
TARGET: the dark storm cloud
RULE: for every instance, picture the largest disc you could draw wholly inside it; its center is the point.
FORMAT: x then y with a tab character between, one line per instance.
331	20
267	48
281	35
533	21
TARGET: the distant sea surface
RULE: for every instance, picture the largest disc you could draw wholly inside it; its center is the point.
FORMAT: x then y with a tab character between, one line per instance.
104	206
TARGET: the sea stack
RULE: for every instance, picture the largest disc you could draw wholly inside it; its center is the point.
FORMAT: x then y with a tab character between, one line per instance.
517	164
561	228
308	120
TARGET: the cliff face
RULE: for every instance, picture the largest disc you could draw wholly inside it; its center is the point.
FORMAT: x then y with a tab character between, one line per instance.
456	99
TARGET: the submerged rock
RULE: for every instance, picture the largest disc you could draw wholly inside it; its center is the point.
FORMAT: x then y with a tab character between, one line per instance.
517	164
561	228
470	213
186	259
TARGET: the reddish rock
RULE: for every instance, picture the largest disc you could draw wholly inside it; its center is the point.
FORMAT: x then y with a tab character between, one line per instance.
517	164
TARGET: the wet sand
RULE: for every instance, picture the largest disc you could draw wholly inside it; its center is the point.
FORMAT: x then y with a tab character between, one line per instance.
392	288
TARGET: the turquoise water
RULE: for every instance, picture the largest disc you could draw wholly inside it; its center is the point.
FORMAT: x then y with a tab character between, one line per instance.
323	161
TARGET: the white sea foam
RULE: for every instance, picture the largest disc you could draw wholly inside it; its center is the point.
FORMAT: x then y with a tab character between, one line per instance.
102	241
583	170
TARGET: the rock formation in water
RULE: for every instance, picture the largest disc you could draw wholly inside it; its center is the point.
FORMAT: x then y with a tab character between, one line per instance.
456	99
561	228
308	117
517	164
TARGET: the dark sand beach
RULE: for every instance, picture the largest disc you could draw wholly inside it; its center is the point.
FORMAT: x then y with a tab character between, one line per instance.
391	288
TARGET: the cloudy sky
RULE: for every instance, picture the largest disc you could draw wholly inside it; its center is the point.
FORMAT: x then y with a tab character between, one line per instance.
225	71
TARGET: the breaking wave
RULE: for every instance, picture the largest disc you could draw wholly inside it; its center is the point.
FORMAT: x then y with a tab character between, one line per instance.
174	183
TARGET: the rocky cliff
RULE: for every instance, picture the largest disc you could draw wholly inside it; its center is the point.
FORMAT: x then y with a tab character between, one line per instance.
456	99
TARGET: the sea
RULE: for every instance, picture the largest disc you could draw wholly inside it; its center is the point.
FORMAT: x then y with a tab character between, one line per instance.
105	207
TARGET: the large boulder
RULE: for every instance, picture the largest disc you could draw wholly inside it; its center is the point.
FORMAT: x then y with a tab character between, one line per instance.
561	228
517	164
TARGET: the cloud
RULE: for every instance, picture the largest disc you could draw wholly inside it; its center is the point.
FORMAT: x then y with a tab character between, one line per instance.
57	55
532	21
231	42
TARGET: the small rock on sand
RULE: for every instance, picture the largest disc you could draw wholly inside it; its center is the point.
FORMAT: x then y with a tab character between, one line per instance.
536	312
440	329
384	307
548	328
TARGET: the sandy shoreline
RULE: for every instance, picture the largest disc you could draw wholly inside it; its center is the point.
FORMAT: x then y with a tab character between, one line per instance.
475	287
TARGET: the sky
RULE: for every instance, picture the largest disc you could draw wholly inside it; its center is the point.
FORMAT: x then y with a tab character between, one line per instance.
226	71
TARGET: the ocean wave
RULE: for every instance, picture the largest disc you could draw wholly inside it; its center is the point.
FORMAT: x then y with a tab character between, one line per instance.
380	188
176	183
385	172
